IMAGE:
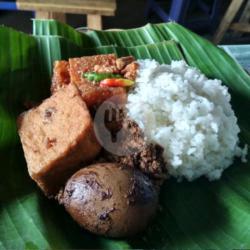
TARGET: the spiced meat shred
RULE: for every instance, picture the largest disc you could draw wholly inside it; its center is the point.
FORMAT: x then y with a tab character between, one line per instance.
145	156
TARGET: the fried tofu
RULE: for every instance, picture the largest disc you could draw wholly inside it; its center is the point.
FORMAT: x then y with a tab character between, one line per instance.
61	76
93	95
56	137
97	63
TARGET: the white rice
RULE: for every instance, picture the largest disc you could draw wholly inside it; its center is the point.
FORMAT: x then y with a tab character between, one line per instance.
189	115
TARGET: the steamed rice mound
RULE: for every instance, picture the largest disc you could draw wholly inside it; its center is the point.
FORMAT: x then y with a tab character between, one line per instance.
189	115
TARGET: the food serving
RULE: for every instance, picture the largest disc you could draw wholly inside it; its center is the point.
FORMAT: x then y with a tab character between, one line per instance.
179	124
189	115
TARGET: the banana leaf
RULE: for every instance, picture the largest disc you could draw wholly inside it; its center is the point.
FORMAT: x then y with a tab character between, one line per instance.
132	37
196	215
197	51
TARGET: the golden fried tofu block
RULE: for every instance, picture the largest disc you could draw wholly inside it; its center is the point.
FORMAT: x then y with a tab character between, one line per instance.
72	71
61	75
94	96
97	63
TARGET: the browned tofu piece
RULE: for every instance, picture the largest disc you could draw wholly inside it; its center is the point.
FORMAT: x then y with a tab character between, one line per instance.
57	136
97	63
61	75
93	95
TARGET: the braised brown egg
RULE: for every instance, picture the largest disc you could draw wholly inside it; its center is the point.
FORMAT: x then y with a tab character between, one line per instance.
110	200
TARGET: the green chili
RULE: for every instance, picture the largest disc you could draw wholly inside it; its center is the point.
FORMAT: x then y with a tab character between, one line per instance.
97	77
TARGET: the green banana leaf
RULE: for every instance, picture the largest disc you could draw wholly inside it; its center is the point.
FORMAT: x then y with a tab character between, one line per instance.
196	215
